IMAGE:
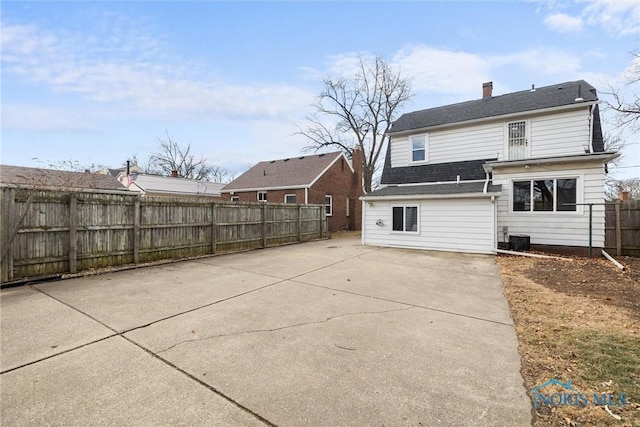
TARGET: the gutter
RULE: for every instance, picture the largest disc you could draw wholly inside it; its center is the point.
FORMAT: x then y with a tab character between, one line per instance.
430	196
606	156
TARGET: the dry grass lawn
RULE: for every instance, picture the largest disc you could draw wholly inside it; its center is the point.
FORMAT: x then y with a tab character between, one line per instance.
578	320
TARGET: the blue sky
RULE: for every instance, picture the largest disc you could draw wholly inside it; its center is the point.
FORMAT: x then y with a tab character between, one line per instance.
96	82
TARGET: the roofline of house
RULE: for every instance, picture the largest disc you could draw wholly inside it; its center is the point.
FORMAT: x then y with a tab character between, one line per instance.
124	191
604	157
474	195
413	184
287	187
329	166
492	118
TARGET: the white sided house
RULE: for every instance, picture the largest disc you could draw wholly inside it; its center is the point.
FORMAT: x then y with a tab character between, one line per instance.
465	177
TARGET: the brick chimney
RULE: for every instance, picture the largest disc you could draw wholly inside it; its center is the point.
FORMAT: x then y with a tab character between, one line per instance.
487	90
624	196
174	173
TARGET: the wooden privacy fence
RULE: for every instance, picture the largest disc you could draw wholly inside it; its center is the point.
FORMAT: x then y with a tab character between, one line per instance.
622	228
48	232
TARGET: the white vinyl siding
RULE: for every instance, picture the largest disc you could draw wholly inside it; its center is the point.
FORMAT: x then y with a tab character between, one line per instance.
569	228
561	134
458	225
552	134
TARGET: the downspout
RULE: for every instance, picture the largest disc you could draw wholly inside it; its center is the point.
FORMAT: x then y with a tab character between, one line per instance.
486	183
591	110
306	195
362	222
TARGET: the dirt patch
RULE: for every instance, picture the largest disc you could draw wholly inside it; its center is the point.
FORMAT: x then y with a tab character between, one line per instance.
578	320
594	278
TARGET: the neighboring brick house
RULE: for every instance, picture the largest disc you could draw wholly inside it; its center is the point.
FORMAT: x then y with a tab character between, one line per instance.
328	179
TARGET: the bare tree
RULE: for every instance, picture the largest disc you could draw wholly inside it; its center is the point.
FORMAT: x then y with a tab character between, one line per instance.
614	187
626	105
172	157
358	112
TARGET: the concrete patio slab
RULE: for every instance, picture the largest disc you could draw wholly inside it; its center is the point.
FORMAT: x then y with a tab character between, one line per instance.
440	287
301	355
323	333
35	326
134	298
111	382
285	263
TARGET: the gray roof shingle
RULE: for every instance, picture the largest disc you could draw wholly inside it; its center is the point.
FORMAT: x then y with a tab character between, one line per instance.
50	178
438	172
435	189
516	102
294	172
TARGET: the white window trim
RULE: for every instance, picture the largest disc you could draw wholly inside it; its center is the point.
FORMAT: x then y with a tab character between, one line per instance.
527	152
579	194
258	196
426	149
235	198
404	217
330	204
289	195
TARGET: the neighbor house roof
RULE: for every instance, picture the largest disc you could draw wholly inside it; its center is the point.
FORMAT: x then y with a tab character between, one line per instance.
167	185
558	95
21	176
451	189
293	172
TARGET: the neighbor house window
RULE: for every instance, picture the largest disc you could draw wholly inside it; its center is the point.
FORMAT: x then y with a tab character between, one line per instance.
328	205
235	198
405	218
418	148
262	196
290	198
545	195
517	140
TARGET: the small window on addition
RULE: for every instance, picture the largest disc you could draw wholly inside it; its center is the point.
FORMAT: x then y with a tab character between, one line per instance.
262	196
235	198
328	205
290	198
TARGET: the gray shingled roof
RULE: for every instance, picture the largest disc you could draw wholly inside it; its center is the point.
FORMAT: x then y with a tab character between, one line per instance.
438	172
435	189
516	102
294	172
48	178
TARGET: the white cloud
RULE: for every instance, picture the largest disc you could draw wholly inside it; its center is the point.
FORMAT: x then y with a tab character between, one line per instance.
620	17
40	118
129	68
563	23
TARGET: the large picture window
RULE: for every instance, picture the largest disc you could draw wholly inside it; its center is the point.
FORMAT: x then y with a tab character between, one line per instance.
545	195
405	219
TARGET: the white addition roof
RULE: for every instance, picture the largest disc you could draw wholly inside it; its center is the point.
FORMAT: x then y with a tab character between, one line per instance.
169	185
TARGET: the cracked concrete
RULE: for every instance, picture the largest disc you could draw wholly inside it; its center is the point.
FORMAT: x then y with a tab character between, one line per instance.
324	333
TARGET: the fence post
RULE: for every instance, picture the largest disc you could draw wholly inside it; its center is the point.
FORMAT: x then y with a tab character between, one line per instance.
264	225
299	223
8	203
136	230
618	231
214	228
73	233
322	210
